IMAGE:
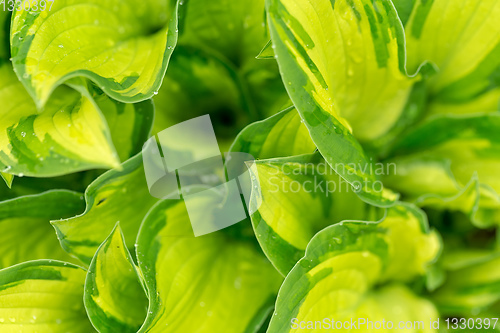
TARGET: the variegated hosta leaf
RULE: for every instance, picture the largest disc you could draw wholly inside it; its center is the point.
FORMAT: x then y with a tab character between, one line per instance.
462	38
43	296
114	297
201	284
68	136
429	182
72	132
345	262
111	198
123	46
26	230
436	162
470	287
129	124
280	135
357	93
300	196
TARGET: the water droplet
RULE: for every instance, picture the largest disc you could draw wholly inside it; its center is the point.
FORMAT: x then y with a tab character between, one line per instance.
61	46
23	134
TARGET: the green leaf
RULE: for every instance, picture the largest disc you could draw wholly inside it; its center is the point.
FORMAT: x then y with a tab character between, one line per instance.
429	182
198	83
364	88
68	136
462	38
404	8
4	36
344	263
123	46
76	182
8	178
359	93
300	196
129	124
471	287
26	231
439	158
114	297
111	198
278	136
487	102
43	296
267	51
206	284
